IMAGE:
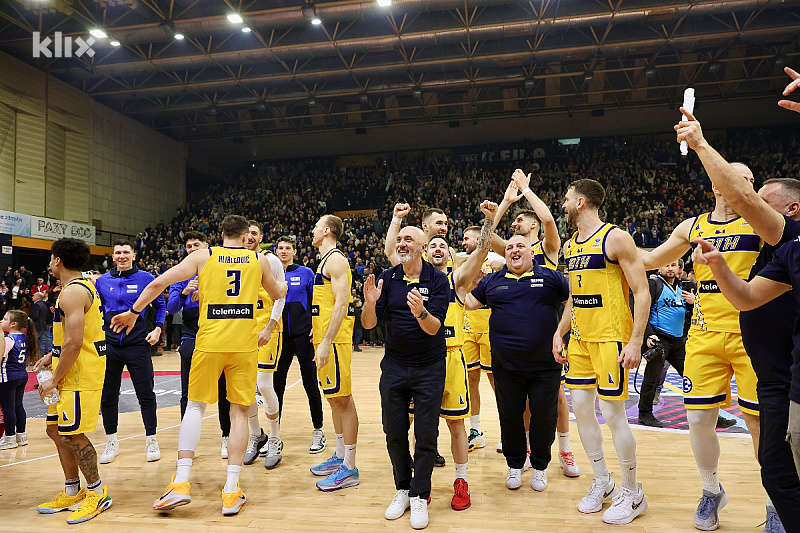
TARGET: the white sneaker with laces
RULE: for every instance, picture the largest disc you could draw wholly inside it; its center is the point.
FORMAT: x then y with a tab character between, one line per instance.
514	479
151	449
398	507
601	491
22	438
224	449
539	480
8	442
274	449
318	441
110	453
419	513
567	461
627	505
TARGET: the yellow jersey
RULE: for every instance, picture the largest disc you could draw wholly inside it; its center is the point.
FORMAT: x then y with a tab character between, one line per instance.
264	307
228	287
454	319
89	369
322	303
740	247
540	257
600	293
478	321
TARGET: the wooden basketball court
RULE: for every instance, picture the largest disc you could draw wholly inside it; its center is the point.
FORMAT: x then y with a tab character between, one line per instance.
286	498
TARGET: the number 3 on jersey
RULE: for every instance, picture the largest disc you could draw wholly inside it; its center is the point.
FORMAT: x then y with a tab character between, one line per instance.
235	283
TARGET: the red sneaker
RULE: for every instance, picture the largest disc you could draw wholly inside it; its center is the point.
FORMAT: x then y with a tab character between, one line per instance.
461	499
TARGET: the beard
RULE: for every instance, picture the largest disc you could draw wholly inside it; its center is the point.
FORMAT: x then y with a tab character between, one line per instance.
412	255
572	216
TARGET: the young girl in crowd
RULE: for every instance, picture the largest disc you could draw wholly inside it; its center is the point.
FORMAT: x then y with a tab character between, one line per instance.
19	344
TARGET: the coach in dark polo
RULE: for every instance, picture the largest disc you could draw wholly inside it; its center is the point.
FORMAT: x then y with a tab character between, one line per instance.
524	298
413	296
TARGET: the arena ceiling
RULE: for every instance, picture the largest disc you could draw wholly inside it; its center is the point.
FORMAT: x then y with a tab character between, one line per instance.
414	62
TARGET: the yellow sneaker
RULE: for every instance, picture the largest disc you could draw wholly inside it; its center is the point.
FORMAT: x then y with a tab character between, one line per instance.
232	502
93	504
175	495
62	502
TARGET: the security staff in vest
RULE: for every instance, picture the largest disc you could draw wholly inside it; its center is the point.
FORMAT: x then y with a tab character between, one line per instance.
413	297
524	298
118	290
668	302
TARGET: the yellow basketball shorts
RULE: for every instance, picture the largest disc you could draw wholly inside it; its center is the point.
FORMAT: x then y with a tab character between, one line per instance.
76	412
594	364
712	358
269	353
240	376
477	351
455	401
334	377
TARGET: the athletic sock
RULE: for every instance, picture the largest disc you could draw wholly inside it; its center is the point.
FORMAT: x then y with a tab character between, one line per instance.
563	442
72	486
461	471
629	474
112	437
183	471
599	465
340	445
475	422
97	486
710	480
274	426
232	481
349	455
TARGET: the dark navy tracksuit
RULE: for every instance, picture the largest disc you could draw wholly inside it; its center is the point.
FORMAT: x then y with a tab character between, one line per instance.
118	292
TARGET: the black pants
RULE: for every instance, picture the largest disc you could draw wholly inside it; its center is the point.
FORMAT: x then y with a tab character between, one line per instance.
186	349
675	353
778	475
399	384
11	394
513	388
301	346
140	366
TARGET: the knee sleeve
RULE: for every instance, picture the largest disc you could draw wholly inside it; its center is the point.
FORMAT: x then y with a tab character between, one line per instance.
617	420
703	436
265	385
189	436
588	427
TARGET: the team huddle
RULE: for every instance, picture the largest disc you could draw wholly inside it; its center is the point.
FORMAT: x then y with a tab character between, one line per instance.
503	310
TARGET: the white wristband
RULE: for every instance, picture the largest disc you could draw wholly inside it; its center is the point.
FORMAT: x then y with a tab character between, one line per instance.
526	191
397	220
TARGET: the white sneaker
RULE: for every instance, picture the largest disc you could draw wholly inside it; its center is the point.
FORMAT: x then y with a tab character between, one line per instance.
274	449
627	505
539	480
514	479
8	442
318	441
500	447
399	504
151	449
22	439
567	461
419	513
110	453
224	449
601	491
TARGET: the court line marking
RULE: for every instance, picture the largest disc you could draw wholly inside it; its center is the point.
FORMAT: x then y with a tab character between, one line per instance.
126	438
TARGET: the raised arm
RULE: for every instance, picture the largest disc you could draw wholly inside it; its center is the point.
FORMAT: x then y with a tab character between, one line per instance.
552	241
673	249
737	191
794	84
469	270
511	196
389	245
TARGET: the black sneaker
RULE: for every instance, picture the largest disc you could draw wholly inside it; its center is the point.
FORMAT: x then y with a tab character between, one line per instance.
724	423
648	419
439	460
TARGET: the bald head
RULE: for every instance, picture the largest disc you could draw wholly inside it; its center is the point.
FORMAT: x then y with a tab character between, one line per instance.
409	245
519	258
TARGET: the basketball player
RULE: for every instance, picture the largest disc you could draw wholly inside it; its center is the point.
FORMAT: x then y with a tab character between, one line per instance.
227	341
545	252
78	359
455	401
270	328
606	342
332	319
714	350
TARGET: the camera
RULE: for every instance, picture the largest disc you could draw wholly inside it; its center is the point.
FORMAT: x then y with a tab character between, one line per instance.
654	352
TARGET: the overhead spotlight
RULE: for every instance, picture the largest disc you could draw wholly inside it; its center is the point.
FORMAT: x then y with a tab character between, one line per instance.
178	36
713	67
114	43
529	84
261	106
417	93
311	102
246	30
384	3
316	21
364	98
588	77
97	33
235	18
780	61
650	73
310	14
212	111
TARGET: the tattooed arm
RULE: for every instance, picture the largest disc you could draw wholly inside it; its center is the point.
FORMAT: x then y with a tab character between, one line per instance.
465	275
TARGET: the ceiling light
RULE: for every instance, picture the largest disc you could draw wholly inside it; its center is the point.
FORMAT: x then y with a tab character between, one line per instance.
364	98
529	84
114	43
261	106
179	36
417	93
246	30
235	18
311	102
588	77
212	110
713	67
650	73
384	3
316	21
98	33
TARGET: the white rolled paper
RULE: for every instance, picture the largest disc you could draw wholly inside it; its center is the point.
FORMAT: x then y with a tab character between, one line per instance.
688	105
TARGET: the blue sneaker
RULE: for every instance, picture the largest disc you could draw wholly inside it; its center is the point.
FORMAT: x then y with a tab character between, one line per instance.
706	518
773	522
341	479
328	467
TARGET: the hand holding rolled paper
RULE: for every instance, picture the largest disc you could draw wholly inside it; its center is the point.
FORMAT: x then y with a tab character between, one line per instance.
688	105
